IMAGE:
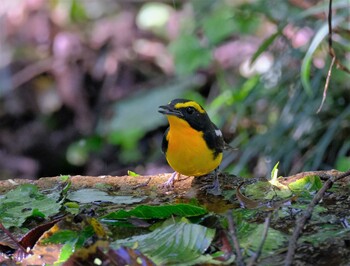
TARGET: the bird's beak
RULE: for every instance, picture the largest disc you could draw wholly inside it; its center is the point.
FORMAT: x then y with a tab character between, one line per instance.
169	110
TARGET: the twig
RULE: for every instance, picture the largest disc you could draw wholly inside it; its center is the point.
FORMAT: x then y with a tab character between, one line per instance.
8	233
331	52
257	254
234	239
333	55
144	184
326	85
307	215
330	41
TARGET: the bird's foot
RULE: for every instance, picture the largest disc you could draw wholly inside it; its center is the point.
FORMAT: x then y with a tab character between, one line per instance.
169	184
214	188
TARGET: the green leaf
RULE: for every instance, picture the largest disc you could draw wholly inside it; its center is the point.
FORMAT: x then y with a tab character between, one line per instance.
72	205
219	25
328	232
77	11
247	87
342	163
64	178
251	237
89	195
131	173
316	41
180	243
274	178
274	172
78	152
307	183
23	202
265	45
61	237
71	240
158	212
66	251
246	21
37	213
261	191
189	54
65	236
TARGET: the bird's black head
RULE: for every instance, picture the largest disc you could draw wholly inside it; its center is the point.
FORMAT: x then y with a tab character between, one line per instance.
187	110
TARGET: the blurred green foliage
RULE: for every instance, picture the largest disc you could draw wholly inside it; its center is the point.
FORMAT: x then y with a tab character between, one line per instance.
259	69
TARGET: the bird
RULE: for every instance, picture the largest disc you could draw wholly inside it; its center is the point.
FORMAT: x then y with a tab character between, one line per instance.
192	144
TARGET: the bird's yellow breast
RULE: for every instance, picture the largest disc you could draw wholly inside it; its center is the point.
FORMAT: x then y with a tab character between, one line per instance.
187	151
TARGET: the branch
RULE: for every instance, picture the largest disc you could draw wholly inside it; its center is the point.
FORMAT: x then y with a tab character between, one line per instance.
234	239
8	233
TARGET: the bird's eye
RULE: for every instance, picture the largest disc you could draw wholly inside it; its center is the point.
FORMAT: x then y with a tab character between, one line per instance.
190	110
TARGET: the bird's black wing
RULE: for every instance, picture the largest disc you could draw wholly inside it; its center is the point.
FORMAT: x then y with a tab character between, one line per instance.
214	139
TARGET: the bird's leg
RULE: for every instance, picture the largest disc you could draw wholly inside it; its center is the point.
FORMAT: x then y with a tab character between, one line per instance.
215	187
170	182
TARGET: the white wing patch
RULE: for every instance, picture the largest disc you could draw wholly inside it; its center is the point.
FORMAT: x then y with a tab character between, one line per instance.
218	132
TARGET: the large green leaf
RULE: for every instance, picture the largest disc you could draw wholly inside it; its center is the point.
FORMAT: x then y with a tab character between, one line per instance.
179	243
23	202
89	195
158	212
251	236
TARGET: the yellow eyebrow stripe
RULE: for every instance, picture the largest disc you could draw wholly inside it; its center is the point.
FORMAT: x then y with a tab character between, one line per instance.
190	104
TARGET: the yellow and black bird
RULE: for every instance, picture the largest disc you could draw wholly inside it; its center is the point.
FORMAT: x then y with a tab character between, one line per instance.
192	144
